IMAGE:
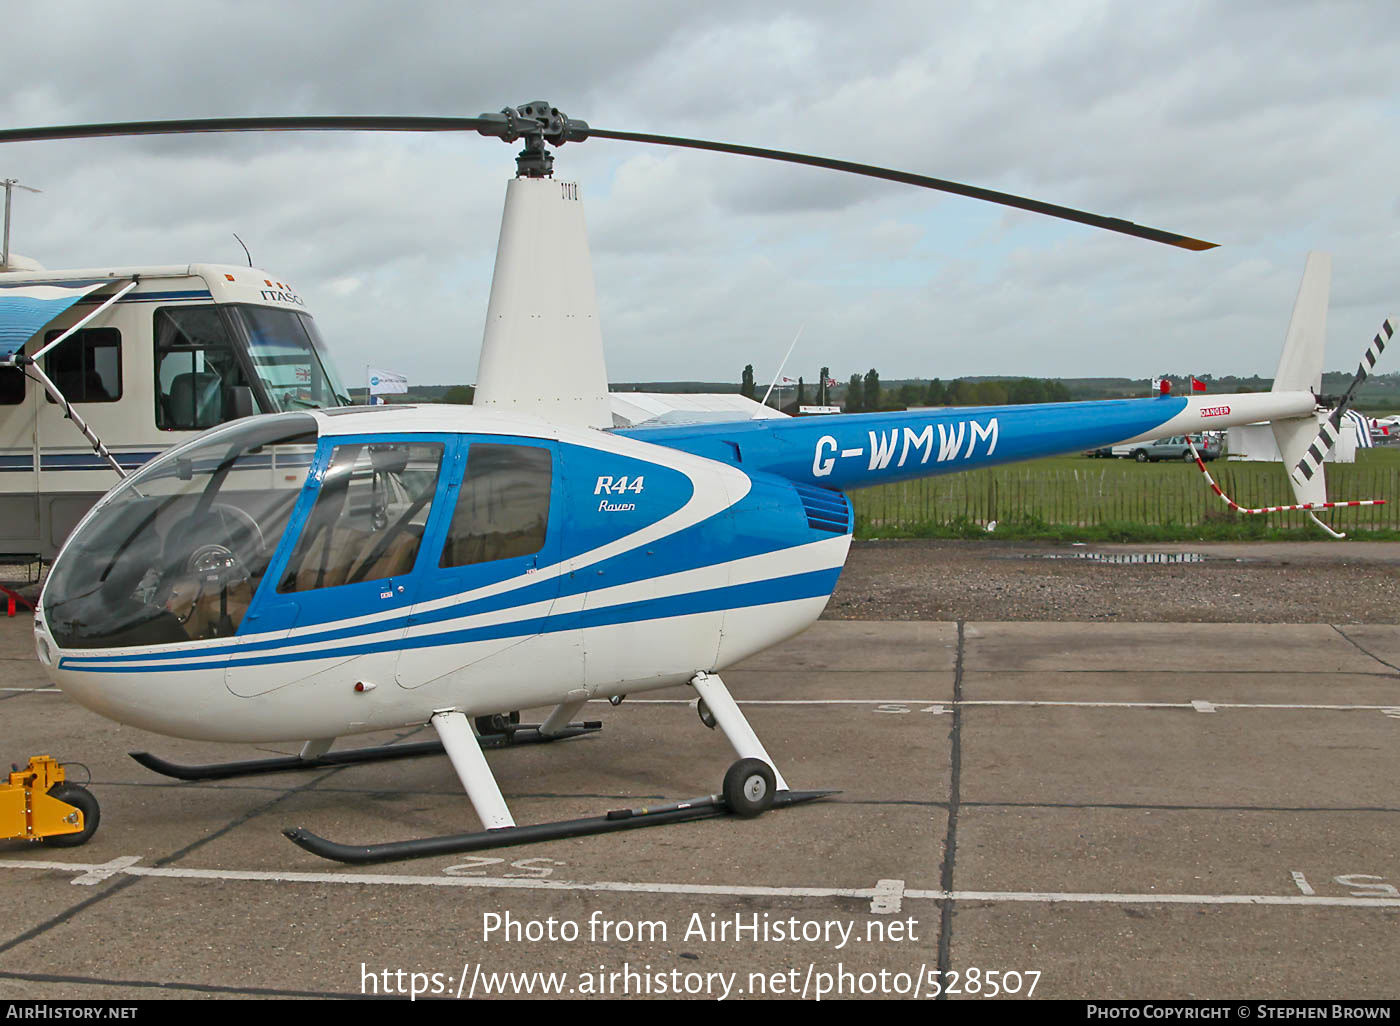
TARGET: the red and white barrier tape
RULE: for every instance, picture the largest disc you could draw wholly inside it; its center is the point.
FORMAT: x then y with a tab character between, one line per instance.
1308	507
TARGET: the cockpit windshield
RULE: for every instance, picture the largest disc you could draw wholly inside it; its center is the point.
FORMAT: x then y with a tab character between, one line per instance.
289	358
177	550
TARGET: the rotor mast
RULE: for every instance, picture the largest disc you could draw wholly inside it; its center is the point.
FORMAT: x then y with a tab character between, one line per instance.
542	350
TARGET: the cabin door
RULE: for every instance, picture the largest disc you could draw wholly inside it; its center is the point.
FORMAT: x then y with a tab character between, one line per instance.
485	622
333	607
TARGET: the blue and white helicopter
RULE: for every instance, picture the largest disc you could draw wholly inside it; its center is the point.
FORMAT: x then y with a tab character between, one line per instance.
305	576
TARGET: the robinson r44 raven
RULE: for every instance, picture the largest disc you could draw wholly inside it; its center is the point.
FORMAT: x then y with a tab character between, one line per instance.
303	576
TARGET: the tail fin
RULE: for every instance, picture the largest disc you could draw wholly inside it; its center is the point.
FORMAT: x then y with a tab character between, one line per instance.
1300	369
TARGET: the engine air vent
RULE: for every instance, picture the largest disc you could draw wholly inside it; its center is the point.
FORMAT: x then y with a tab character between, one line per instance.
826	510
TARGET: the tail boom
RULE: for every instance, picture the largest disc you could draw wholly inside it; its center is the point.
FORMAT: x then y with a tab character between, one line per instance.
855	451
1214	412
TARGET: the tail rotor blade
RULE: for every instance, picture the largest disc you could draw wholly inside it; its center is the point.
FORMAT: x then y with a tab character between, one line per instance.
1331	428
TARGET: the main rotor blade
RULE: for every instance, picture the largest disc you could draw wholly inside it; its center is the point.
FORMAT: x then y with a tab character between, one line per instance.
1113	224
334	123
502	125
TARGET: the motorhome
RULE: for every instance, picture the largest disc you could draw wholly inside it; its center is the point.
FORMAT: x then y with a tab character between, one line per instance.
103	368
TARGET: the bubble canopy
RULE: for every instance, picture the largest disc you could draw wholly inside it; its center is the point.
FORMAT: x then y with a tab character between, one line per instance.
177	550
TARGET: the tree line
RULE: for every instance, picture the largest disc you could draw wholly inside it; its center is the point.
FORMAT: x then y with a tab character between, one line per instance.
864	393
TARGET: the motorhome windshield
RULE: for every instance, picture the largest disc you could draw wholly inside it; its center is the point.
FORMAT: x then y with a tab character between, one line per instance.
289	358
197	369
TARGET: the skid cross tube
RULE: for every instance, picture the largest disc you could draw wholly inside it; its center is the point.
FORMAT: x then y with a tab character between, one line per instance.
519	734
707	807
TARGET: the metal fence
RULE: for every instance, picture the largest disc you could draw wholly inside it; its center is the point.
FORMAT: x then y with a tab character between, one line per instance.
1117	491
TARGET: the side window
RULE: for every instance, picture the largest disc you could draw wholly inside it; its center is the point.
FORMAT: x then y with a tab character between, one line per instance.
87	367
196	370
503	507
12	386
368	518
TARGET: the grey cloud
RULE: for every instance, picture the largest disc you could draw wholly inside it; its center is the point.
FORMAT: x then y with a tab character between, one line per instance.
1267	127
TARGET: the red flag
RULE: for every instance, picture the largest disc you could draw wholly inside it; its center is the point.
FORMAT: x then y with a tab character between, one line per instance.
1197	386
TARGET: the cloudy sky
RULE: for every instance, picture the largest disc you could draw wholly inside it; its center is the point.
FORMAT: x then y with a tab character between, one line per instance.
1269	127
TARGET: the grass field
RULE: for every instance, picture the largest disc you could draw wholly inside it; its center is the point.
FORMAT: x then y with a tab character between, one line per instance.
1080	497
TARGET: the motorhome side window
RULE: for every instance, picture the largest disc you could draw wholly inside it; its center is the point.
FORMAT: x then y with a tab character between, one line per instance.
12	386
503	507
196	369
87	366
368	518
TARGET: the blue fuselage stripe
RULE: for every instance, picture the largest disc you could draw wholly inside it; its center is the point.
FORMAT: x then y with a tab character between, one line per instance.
814	584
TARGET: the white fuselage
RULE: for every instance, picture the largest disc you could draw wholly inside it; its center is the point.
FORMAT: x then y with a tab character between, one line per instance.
631	606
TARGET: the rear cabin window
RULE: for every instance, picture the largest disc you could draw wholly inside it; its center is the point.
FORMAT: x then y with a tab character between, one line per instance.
196	369
503	507
87	366
368	518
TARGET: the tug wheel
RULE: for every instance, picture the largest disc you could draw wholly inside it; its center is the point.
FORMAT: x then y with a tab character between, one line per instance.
83	799
497	723
749	787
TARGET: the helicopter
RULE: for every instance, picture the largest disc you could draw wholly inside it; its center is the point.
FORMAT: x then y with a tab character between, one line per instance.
314	574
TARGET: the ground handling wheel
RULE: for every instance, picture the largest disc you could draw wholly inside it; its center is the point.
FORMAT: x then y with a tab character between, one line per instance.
82	799
749	788
38	803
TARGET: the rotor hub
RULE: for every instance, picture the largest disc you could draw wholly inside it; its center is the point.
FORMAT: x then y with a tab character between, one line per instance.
537	123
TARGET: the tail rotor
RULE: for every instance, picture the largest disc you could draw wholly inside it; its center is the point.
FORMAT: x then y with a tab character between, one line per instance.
1331	428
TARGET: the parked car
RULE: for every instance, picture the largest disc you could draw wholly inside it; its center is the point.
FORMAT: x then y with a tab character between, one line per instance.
1176	448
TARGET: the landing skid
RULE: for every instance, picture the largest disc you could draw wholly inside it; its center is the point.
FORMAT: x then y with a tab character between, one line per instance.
619	819
515	734
751	786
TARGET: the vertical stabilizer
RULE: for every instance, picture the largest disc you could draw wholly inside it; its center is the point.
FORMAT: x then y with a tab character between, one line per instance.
1300	370
542	353
1300	367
